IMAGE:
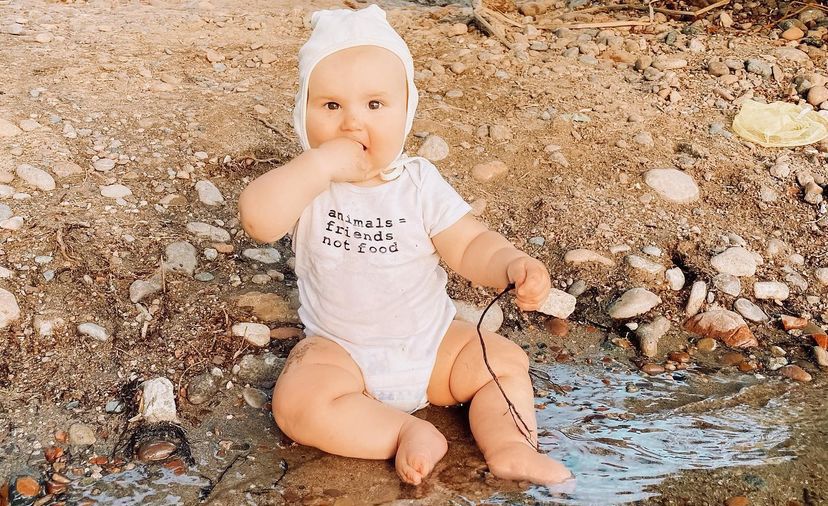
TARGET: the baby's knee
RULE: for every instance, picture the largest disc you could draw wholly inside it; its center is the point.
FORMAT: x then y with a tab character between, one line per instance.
514	357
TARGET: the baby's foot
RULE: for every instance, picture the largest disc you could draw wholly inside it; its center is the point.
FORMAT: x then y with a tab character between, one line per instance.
420	447
520	462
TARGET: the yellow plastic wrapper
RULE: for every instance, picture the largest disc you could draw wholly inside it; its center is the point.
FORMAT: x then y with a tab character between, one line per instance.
779	124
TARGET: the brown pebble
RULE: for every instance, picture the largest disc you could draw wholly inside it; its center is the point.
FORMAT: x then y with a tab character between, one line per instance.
679	356
796	373
61	436
706	344
793	322
27	486
557	327
59	478
738	500
223	248
731	358
55	488
53	453
746	366
285	333
487	171
157	450
98	460
792	33
652	369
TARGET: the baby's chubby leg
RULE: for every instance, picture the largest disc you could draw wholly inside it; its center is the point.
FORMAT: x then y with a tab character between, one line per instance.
460	375
318	401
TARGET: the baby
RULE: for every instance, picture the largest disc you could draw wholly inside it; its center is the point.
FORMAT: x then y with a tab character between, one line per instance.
369	227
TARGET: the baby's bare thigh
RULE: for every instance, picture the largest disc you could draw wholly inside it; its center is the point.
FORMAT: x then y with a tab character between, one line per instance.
319	360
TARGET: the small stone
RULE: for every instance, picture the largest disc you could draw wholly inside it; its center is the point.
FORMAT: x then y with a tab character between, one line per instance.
669	63
725	19
650	333
723	325
254	397
81	435
35	177
795	373
557	327
94	331
468	313
793	33
652	369
283	333
698	294
822	275
115	191
577	288
731	358
114	407
821	356
771	290
8	129
775	363
181	257
706	344
158	401
29	125
793	322
66	169
559	304
214	56
679	357
581	256
9	310
675	278
156	451
202	388
644	265
263	255
644	139
817	95
487	171
104	164
260	370
267	307
728	283
759	67
207	231
717	68
750	311
208	194
204	277
26	486
633	302
736	261
673	185
434	148
140	289
256	334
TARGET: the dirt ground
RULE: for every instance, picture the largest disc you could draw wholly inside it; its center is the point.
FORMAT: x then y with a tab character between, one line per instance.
133	82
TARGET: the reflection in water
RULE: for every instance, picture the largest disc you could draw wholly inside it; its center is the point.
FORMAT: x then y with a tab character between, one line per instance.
620	432
144	485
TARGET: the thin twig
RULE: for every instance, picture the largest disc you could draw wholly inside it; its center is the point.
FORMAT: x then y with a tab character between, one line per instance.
606	24
525	431
481	16
272	127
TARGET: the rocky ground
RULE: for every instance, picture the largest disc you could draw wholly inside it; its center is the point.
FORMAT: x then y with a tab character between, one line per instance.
127	131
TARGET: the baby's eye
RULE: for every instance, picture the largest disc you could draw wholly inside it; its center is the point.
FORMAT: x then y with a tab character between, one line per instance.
374	104
331	106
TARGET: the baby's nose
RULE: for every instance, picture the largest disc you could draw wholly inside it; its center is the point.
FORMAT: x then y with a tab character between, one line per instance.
352	121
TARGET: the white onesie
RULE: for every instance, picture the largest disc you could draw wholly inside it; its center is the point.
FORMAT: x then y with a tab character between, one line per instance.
369	277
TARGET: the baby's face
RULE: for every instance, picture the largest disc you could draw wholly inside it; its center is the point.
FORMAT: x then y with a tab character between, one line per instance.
360	93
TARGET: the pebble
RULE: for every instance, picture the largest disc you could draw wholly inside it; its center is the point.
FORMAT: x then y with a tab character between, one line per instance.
775	363
577	288
9	310
673	185
202	388
724	325
736	261
256	334
653	251
29	125
103	164
94	331
822	275
8	129
25	486
558	303
650	333
263	255
140	289
728	283
582	256
213	56
114	407
737	500
633	302
644	139
644	265
791	54
81	435
793	33
706	344
208	194
771	290
488	171
14	223
115	191
158	401
675	278
207	231
652	369
557	327
267	307
817	95
698	294
821	356
759	67
254	397
156	451
469	313
181	257
204	277
434	148
35	177
717	68
260	370
750	311
66	169
499	133
795	373
793	323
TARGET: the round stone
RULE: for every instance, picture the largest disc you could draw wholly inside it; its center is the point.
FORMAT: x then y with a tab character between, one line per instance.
673	185
750	311
633	303
736	261
487	171
263	255
208	194
104	164
115	191
434	148
256	334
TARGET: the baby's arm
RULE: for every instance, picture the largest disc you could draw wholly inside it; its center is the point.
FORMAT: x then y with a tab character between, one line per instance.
486	258
271	204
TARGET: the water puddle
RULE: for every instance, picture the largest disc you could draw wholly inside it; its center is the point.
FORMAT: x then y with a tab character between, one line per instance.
621	433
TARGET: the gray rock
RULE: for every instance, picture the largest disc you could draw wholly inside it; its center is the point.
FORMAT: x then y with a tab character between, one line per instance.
260	370
633	303
650	333
94	331
775	363
469	313
256	334
35	177
181	257
750	311
9	310
208	194
736	261
204	277
759	67
202	388
140	289
263	255
673	185
728	283
81	435
579	287
698	294
254	397
207	231
558	304
771	290
434	148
